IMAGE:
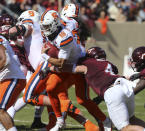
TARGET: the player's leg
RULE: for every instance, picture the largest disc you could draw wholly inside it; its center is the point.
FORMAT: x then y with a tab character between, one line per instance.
10	90
20	102
52	89
52	118
6	120
35	85
116	101
82	93
16	107
77	115
37	118
72	111
133	119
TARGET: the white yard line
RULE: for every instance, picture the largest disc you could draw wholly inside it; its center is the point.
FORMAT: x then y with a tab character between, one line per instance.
68	124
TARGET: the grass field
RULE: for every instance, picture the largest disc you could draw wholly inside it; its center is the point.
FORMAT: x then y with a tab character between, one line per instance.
24	117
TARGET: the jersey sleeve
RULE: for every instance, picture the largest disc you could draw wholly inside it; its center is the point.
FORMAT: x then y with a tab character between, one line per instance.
64	42
65	49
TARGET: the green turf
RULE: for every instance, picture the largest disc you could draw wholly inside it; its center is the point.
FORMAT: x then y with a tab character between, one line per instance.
24	117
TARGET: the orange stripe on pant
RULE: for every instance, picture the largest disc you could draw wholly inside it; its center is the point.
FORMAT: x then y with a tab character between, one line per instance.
10	89
35	86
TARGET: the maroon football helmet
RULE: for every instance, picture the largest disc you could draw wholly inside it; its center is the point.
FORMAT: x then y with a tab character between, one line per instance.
138	59
6	22
96	52
6	19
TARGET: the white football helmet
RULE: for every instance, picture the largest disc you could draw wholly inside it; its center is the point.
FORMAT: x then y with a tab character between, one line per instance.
29	14
50	21
70	10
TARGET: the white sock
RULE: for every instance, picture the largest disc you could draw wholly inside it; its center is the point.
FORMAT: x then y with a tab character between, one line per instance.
18	105
60	118
12	129
11	111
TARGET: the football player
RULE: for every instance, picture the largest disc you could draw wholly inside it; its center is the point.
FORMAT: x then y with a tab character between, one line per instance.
138	65
6	22
69	52
70	19
12	82
117	91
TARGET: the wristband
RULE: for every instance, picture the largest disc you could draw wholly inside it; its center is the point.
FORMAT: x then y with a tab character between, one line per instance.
25	29
45	57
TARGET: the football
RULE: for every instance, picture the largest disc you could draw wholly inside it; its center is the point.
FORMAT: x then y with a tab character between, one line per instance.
53	51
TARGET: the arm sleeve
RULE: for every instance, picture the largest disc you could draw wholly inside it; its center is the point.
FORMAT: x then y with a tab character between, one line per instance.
65	51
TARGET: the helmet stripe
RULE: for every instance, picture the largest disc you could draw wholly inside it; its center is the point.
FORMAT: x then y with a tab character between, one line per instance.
42	16
27	21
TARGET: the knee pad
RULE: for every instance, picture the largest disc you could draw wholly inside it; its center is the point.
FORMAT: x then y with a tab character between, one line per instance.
33	100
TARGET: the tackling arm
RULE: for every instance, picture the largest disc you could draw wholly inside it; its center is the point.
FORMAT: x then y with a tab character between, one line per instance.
140	86
60	63
24	30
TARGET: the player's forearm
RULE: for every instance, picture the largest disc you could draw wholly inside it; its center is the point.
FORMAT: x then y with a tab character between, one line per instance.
140	86
56	62
24	30
81	69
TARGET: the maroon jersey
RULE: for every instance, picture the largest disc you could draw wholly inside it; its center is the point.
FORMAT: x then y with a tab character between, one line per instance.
100	75
142	73
20	52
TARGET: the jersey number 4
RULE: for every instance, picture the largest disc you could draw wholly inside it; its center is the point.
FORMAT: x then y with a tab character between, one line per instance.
109	69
